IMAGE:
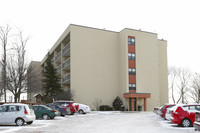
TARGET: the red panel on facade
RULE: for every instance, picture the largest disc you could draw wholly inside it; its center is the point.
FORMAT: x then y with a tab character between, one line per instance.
131	37
131	63
132	91
132	79
131	48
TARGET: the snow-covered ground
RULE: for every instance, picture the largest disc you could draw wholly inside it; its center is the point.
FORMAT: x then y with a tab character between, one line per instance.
102	122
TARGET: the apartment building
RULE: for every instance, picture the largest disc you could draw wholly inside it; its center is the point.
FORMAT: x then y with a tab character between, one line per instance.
34	82
99	65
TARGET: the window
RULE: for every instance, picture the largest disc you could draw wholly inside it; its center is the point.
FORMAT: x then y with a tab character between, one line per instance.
131	41
192	107
34	107
132	87
2	108
131	56
12	108
197	108
40	108
131	71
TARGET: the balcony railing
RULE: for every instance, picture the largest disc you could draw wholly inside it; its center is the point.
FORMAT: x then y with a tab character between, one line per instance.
58	69
66	50
66	64
58	57
66	79
52	61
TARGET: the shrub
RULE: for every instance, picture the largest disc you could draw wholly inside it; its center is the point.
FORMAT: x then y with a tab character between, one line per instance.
105	108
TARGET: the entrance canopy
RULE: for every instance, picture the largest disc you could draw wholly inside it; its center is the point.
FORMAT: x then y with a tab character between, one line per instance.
132	95
137	95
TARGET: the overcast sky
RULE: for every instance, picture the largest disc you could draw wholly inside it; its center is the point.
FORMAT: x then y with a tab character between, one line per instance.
176	21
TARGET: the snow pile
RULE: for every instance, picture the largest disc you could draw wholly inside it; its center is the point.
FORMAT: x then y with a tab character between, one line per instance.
102	122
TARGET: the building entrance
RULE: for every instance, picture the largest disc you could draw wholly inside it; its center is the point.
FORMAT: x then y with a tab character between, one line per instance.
130	104
132	100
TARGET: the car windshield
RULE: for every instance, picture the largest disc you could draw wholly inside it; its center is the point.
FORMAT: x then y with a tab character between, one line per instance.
48	108
51	106
27	108
175	107
59	106
170	107
62	103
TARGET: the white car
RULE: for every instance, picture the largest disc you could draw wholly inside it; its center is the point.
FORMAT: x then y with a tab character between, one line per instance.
83	109
169	113
16	113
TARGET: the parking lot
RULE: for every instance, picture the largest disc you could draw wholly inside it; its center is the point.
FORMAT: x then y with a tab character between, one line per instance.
101	122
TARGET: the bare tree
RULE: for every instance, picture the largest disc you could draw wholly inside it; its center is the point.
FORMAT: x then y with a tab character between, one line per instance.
183	78
97	102
18	68
172	74
4	35
195	85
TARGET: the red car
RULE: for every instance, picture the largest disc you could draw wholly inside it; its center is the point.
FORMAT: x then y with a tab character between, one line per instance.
184	115
163	110
155	110
73	107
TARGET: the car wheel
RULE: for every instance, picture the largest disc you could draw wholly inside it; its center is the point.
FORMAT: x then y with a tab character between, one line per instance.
72	113
45	117
69	112
81	112
52	117
30	122
20	122
186	123
62	115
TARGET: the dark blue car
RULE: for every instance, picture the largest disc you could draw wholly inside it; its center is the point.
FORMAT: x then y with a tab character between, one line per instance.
63	110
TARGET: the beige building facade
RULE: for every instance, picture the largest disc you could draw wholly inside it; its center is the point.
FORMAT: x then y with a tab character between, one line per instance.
34	82
99	65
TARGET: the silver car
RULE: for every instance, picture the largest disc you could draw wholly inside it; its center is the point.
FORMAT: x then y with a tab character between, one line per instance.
16	113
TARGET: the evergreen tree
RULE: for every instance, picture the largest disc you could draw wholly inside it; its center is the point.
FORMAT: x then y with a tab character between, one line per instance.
51	86
117	104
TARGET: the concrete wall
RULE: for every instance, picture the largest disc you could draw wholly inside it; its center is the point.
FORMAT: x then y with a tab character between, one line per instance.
124	76
163	72
94	65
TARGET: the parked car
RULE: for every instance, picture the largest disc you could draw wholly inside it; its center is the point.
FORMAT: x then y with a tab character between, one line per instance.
155	110
196	124
63	110
16	113
82	108
44	112
163	110
184	115
169	113
73	107
159	110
